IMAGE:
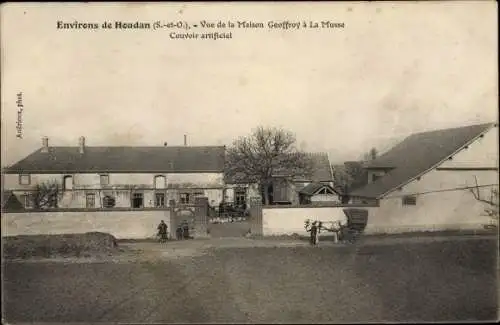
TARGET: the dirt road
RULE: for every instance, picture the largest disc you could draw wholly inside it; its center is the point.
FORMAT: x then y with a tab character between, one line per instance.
262	281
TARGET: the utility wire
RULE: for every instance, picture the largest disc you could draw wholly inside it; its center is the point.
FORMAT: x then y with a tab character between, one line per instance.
445	190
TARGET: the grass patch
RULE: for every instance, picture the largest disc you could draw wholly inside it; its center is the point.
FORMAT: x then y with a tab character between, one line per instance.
65	245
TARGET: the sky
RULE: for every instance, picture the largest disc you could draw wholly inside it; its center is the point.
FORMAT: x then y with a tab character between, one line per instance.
394	69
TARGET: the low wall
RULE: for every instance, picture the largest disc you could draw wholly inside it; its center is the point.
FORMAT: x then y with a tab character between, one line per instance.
381	220
121	224
290	220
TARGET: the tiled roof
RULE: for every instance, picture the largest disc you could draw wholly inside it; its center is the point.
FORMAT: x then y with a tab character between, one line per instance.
123	159
417	154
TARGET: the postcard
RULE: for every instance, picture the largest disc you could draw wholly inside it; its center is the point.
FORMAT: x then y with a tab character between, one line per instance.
249	162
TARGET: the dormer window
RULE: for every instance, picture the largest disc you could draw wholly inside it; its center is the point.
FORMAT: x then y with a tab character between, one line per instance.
25	179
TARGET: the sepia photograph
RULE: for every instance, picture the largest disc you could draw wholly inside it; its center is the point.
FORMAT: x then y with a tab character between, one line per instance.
249	162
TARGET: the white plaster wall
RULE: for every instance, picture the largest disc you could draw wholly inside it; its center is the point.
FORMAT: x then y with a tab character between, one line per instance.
121	224
91	180
325	198
287	221
214	196
441	208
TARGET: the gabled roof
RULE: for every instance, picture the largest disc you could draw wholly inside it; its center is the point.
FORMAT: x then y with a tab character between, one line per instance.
313	188
320	170
123	160
416	155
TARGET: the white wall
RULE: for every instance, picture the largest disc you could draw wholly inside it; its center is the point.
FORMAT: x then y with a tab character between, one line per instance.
121	224
440	203
325	198
454	210
287	221
119	185
443	208
91	180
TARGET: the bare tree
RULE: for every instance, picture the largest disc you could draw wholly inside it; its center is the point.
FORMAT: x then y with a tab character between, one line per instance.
264	153
491	200
45	195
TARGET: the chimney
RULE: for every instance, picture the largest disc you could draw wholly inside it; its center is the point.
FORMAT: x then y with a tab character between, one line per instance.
45	144
185	140
81	145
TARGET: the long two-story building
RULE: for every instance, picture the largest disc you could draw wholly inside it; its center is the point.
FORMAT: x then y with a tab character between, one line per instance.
119	177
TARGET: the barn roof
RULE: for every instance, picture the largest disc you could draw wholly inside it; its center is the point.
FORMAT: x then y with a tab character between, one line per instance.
416	155
123	160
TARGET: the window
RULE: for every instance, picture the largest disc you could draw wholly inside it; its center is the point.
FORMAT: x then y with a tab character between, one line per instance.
90	200
27	200
160	181
137	200
184	198
24	179
104	179
240	196
188	197
409	200
108	201
160	200
68	183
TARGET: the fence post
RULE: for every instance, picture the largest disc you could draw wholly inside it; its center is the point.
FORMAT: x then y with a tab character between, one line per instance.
173	218
201	217
256	227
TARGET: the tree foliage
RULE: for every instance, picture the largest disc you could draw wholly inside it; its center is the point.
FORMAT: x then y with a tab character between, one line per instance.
264	153
349	176
45	195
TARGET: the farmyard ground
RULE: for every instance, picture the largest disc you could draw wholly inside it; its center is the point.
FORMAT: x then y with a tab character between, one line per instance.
244	280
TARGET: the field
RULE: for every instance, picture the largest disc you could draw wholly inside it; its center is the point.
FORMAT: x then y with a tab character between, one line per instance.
401	280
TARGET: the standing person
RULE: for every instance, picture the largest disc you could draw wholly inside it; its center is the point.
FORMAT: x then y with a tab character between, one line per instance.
178	232
162	231
320	225
314	233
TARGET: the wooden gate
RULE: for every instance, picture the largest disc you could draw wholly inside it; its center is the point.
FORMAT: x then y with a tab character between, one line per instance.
194	214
